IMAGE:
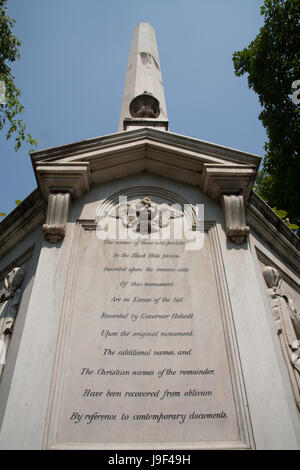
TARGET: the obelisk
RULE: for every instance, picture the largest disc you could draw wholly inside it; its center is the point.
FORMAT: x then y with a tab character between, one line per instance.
143	99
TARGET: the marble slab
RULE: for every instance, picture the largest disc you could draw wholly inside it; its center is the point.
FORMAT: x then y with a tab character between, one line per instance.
146	354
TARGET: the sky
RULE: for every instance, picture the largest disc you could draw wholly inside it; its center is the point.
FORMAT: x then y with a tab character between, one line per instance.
73	64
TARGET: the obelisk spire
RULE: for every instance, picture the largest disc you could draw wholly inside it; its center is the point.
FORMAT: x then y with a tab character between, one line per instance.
143	99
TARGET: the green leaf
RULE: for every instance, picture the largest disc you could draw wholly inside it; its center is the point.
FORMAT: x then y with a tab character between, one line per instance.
281	213
9	52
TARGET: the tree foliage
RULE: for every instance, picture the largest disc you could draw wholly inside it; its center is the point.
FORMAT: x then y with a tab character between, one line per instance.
11	108
272	62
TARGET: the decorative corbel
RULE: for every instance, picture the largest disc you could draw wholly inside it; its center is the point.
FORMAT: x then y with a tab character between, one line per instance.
231	185
57	217
58	182
235	220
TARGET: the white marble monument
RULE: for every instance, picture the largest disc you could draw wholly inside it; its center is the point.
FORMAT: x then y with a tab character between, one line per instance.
149	299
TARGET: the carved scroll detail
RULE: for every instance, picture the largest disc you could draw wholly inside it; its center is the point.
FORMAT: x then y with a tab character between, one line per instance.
235	221
287	322
57	217
9	304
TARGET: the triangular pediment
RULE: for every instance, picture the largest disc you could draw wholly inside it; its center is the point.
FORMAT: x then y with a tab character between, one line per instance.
222	173
76	167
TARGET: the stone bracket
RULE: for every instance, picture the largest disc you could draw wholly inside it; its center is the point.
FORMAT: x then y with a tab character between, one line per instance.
58	182
235	220
57	217
231	185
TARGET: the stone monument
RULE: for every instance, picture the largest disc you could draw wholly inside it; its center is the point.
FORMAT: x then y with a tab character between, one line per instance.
150	315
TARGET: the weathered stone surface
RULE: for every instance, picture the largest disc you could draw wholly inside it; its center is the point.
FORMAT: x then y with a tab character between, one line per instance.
241	290
143	100
9	304
287	322
146	348
235	221
57	217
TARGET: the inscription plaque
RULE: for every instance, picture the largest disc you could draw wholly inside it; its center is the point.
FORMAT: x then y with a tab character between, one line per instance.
147	355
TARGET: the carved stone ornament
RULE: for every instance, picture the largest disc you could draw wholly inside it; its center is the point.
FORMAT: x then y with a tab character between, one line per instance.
235	221
57	217
144	106
287	322
145	216
9	303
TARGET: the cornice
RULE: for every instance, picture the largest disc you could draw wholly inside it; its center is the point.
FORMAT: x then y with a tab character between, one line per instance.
218	180
263	221
219	171
73	178
21	221
154	135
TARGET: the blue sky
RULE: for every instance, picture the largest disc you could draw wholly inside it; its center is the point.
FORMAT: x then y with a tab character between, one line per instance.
73	63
